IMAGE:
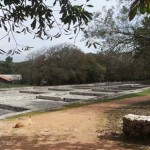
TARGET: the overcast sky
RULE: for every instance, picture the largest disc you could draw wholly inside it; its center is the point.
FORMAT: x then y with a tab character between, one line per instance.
38	43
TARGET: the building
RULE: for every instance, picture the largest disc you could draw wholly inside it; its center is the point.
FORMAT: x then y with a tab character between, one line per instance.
10	78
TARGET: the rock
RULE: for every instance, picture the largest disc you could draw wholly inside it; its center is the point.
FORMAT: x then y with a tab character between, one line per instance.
23	122
136	125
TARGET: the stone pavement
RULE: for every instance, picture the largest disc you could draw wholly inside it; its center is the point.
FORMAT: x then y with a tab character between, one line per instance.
26	99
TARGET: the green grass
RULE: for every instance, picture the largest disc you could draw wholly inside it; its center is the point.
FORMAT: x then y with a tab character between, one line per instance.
77	104
26	114
73	105
143	93
3	85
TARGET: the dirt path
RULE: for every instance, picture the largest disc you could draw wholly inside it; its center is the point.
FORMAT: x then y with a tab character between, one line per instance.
76	128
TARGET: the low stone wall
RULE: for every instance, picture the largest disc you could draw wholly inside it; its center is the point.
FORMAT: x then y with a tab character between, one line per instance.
136	125
12	108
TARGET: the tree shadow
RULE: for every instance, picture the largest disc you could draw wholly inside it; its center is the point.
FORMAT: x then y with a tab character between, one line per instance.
125	142
114	133
49	142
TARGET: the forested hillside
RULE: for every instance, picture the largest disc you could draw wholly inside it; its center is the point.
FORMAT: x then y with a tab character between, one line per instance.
66	64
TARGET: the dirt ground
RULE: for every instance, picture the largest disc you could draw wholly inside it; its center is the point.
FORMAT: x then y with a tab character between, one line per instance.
91	127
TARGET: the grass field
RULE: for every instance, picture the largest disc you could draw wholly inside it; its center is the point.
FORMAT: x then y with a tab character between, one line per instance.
3	85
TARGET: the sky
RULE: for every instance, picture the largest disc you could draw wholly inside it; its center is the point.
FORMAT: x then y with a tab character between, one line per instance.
39	44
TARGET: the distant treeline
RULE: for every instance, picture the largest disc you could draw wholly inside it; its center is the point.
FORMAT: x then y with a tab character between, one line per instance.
64	64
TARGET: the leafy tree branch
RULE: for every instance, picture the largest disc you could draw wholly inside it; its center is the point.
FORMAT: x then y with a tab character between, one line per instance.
39	13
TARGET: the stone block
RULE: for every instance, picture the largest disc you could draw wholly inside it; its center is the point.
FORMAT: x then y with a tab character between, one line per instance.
136	125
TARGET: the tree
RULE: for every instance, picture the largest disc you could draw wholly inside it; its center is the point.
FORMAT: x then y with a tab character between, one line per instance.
41	20
40	14
142	48
8	65
139	5
61	64
114	33
111	31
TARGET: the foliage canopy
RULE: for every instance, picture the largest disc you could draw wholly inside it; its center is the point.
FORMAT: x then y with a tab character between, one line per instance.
139	5
40	14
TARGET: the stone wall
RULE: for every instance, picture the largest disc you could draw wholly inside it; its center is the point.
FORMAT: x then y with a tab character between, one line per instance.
136	125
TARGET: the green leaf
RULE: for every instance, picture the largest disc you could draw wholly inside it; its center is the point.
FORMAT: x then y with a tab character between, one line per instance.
148	7
132	13
75	31
33	24
97	43
8	39
142	9
2	51
5	28
89	45
89	5
94	45
8	2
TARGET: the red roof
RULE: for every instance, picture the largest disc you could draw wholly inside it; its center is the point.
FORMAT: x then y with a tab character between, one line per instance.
5	78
